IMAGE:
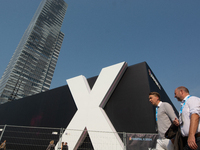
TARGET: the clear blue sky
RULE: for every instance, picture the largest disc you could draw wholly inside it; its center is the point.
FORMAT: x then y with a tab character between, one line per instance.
100	33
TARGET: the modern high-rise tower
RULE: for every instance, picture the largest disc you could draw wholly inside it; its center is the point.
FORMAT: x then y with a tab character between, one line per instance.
32	65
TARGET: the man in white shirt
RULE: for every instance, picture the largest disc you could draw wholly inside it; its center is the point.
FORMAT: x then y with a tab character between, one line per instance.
188	118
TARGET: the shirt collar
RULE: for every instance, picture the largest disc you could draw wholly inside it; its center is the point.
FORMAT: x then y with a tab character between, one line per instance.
159	104
183	101
186	97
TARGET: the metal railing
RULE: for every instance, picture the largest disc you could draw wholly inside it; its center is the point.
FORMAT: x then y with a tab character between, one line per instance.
38	138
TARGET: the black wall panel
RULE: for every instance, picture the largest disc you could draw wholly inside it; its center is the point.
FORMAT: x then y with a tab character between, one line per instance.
128	108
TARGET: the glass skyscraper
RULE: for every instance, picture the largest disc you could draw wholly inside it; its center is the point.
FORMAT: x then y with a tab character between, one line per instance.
32	65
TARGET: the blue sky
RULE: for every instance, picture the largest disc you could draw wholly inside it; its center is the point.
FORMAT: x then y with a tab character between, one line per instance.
100	33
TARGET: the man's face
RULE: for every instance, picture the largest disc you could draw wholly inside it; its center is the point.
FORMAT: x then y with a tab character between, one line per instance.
153	99
178	95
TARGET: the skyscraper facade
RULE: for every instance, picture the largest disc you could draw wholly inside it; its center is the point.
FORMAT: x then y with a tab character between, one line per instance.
32	65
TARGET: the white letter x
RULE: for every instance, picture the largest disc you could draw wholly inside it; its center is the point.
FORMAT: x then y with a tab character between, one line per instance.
90	115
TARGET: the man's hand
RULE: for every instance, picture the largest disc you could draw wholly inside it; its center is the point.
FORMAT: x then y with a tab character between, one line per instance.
176	122
191	142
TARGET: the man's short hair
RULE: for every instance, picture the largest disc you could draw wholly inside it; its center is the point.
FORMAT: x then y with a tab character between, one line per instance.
155	94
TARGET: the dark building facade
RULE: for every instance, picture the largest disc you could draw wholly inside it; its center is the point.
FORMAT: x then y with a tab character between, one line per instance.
32	65
128	107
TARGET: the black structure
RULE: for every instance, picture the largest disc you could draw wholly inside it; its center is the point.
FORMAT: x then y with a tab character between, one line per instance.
128	108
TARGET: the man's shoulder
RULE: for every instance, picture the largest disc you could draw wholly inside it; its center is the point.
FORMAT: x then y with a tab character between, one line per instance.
166	103
194	97
193	100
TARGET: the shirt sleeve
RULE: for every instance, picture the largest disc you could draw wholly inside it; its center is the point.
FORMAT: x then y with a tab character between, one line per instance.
170	112
194	105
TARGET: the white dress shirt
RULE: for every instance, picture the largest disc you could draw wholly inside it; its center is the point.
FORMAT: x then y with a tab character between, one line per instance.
192	106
